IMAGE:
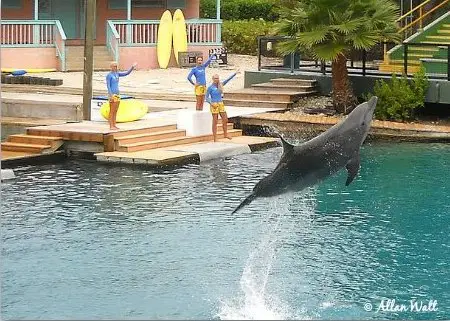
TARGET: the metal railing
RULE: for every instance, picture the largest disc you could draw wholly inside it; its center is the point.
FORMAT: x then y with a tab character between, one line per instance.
34	33
434	57
145	32
112	40
60	44
419	16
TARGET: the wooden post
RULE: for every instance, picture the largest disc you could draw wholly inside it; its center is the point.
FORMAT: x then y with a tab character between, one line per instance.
88	58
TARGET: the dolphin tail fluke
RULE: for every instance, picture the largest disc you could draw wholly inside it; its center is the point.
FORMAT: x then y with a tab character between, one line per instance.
247	201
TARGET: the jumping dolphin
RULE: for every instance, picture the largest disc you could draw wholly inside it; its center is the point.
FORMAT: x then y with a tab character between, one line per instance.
309	163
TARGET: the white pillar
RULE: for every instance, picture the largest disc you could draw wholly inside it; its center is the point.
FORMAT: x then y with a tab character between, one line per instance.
36	32
218	9
218	25
36	9
129	35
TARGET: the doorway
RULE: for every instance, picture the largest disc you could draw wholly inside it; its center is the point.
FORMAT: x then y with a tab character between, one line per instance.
69	12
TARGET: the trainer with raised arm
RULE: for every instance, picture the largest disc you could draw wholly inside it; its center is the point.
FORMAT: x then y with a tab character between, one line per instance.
214	98
112	83
199	73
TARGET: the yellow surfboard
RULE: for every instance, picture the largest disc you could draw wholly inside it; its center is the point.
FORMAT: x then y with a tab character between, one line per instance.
129	110
28	70
179	33
164	43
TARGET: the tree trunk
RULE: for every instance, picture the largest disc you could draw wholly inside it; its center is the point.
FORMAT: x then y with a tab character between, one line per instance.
343	98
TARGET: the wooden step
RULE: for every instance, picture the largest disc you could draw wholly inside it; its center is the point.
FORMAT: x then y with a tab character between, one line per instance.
32	139
400	62
397	68
426	49
131	139
256	103
174	141
267	95
444	38
281	87
418	55
438	42
293	81
444	31
148	137
30	148
145	130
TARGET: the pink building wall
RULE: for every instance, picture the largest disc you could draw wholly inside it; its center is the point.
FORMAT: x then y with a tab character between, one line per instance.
26	12
23	58
192	11
147	59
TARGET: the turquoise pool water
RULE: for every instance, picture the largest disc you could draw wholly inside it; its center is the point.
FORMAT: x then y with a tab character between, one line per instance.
86	241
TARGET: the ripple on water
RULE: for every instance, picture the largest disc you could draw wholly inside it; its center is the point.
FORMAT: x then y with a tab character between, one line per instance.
83	240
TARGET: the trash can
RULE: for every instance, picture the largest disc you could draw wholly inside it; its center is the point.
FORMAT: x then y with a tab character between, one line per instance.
287	61
96	104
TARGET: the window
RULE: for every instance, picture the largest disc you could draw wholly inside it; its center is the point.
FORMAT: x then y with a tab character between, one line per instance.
117	4
176	4
148	3
11	4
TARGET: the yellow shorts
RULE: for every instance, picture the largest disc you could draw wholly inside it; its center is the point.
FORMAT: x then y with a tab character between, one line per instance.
217	108
200	90
114	99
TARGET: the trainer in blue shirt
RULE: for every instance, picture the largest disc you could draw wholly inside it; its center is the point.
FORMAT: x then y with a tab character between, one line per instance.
200	80
112	83
214	98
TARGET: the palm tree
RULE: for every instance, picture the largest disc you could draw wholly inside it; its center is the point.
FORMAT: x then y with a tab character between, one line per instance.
330	29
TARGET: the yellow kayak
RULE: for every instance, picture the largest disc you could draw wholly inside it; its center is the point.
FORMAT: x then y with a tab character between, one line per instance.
129	110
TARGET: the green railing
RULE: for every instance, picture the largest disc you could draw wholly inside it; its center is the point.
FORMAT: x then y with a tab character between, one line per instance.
34	34
60	44
112	40
145	32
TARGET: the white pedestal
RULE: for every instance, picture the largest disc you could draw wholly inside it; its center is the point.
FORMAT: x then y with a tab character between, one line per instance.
196	123
7	174
95	109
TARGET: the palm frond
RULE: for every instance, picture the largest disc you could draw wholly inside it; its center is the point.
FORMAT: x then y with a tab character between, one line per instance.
287	47
310	38
328	51
364	40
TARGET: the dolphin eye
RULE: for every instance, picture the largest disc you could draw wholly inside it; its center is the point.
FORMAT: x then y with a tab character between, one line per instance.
363	123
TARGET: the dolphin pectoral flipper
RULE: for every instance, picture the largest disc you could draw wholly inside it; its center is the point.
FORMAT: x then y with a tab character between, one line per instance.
352	169
286	146
247	201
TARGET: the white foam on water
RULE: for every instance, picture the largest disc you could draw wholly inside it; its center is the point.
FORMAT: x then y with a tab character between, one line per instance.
255	302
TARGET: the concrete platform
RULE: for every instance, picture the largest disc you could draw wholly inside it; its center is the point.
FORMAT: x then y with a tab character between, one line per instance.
309	126
193	153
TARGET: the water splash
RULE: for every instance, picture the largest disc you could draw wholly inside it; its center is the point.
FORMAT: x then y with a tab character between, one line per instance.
256	303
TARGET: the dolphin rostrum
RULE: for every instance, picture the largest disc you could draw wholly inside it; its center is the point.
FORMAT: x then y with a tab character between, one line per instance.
309	163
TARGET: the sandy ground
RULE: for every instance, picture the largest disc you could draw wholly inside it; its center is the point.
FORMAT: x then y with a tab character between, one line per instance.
172	80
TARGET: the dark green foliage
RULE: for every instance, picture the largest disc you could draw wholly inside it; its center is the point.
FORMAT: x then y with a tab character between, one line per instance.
330	28
400	97
240	9
240	37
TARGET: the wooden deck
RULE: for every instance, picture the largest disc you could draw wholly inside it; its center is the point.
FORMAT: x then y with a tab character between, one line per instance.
154	140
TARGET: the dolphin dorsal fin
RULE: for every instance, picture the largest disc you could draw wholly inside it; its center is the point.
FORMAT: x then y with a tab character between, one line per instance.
286	146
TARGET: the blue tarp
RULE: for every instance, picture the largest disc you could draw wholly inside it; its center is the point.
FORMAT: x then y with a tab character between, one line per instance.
106	97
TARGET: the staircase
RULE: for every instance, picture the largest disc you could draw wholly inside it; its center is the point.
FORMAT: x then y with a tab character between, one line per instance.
433	54
75	58
163	136
278	93
32	144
